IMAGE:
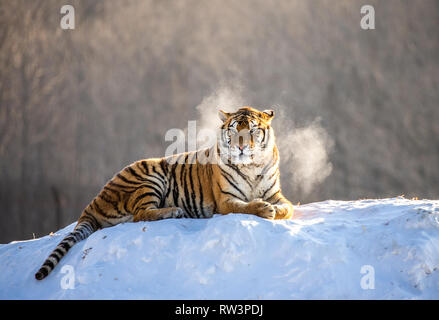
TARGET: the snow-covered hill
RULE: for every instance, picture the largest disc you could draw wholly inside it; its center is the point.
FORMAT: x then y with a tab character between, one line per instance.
368	249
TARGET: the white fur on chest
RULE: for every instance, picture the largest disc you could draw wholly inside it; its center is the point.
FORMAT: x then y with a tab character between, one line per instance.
253	181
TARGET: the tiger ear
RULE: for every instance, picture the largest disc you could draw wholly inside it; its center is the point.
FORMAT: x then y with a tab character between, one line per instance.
268	114
223	115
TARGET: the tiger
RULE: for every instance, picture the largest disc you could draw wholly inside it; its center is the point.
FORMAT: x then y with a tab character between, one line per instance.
241	176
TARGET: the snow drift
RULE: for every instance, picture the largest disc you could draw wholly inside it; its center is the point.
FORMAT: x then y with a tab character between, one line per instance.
368	249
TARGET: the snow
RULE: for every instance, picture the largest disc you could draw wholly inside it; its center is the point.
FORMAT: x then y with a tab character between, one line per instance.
366	249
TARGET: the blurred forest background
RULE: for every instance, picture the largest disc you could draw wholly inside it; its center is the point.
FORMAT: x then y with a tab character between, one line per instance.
76	106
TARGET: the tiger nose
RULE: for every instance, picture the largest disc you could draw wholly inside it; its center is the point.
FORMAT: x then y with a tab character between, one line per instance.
241	147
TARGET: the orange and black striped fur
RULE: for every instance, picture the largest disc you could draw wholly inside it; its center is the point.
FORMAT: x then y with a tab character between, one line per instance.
241	175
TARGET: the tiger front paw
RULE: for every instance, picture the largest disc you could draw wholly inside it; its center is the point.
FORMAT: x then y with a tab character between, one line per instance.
172	212
283	212
178	213
262	209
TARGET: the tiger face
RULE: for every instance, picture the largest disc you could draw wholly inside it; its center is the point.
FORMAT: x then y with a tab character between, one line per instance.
246	135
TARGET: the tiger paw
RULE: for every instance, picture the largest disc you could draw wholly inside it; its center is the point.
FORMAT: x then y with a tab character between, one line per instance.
178	213
172	212
262	209
283	212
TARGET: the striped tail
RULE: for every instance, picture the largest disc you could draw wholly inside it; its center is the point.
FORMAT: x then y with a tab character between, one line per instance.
82	231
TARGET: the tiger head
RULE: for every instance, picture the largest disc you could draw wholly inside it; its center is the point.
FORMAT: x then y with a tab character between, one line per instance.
246	135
